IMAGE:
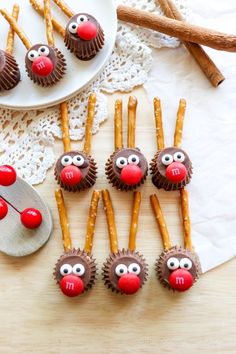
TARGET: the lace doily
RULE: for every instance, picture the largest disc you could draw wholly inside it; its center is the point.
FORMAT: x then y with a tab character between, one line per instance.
27	138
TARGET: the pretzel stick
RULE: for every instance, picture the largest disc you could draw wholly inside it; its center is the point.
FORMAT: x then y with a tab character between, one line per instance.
179	123
186	219
67	243
64	7
89	122
203	60
134	221
132	108
11	33
159	127
110	221
65	127
91	222
48	20
12	22
118	125
161	222
56	24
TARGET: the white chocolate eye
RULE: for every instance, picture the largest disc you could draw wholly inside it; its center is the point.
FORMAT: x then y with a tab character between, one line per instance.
133	159
73	27
78	269
134	268
66	160
32	55
179	156
43	51
173	263
81	19
121	269
66	269
185	263
167	159
78	160
121	162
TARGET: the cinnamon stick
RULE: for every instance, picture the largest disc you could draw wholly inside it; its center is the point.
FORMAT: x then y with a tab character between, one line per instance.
179	29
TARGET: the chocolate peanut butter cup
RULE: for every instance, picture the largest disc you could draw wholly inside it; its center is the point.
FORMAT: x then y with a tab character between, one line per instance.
9	71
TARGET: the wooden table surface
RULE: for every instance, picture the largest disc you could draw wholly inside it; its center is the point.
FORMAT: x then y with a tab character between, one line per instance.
36	318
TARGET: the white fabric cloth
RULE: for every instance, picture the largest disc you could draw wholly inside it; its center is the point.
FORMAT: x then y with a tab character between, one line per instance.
209	134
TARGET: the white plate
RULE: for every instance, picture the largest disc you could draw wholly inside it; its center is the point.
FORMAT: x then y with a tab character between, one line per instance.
27	95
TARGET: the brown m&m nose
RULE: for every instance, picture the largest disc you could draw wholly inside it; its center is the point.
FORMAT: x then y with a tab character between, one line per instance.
176	172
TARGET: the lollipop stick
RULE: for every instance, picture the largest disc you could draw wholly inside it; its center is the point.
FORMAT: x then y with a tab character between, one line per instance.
159	127
89	123
48	20
11	33
118	125
110	221
132	108
91	222
179	123
64	7
67	243
186	219
134	221
65	127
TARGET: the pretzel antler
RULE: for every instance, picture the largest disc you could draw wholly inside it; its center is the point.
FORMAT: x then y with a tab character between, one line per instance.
65	127
64	8
89	122
158	120
48	20
118	125
161	222
134	221
11	32
110	221
186	219
132	108
91	222
179	123
63	220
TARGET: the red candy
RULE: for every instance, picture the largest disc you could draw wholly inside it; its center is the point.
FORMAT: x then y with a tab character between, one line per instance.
131	174
176	172
71	175
71	285
42	66
3	209
129	284
87	31
31	218
181	280
7	175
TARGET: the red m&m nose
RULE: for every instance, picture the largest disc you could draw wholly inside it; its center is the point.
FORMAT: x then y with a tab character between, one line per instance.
87	31
71	175
131	174
71	285
31	218
7	175
181	280
176	172
42	66
129	283
3	209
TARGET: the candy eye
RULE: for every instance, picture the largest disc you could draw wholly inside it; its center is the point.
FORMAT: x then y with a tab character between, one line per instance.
121	162
73	27
133	159
78	269
134	268
121	269
185	263
78	160
82	18
173	263
32	55
66	160
167	159
43	51
179	156
66	269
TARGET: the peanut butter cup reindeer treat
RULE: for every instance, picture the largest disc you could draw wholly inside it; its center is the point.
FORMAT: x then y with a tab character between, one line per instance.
178	267
76	170
126	168
9	69
75	271
45	64
171	167
125	271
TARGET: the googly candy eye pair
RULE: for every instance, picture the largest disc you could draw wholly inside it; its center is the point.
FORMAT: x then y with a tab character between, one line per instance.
75	271
45	64
83	35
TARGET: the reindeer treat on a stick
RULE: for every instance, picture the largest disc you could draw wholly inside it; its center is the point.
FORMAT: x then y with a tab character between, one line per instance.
75	271
125	271
76	170
171	167
126	168
45	64
9	69
177	268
